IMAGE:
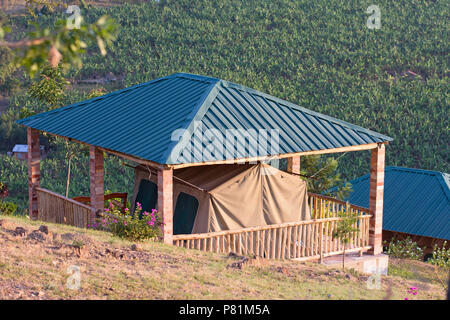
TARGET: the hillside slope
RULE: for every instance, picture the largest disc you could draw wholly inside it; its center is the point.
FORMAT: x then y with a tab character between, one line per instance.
318	54
34	265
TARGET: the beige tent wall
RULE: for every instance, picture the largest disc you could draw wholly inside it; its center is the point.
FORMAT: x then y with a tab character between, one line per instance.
238	196
237	203
260	196
284	198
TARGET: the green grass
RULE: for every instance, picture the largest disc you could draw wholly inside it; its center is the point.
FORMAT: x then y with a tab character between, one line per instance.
166	272
418	270
401	271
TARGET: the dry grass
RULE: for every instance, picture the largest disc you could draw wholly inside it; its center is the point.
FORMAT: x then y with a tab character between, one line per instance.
34	266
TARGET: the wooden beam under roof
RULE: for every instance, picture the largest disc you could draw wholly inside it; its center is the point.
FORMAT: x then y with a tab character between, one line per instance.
362	147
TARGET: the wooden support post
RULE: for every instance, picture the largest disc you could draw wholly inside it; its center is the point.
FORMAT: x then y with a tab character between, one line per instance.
34	171
165	203
293	164
321	242
376	199
97	179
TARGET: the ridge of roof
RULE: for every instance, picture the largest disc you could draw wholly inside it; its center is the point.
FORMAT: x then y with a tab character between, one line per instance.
294	106
84	102
120	91
442	177
175	148
226	83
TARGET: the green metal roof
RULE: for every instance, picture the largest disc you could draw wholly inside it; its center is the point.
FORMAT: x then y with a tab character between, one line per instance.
140	121
415	201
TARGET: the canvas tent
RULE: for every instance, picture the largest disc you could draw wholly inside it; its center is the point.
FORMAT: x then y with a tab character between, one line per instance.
227	197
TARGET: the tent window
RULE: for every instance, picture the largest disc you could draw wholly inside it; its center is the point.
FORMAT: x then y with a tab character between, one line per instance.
147	195
185	213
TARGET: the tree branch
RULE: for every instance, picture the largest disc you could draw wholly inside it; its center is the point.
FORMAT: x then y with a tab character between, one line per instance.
24	43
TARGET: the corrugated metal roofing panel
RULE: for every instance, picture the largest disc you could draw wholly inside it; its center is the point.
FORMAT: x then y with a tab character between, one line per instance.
415	201
140	120
237	107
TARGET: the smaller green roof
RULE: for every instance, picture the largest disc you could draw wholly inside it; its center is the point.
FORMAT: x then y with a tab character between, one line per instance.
415	201
141	120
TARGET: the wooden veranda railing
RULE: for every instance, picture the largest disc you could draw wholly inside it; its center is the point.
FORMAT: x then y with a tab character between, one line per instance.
309	239
56	208
327	207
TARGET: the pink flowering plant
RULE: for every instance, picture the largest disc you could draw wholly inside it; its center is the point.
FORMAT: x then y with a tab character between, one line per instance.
412	291
137	226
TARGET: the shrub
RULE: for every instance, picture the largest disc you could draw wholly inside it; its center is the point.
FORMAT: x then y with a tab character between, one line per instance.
78	243
137	226
345	229
405	249
441	257
7	208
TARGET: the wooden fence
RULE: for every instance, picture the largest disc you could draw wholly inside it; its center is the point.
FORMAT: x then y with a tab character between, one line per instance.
305	239
301	240
309	239
327	207
56	208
